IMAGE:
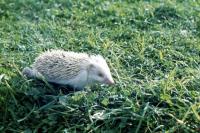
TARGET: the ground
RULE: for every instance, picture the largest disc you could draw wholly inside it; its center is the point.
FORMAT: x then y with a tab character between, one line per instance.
151	46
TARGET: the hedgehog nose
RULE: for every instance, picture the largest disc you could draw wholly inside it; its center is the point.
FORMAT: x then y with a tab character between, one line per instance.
110	81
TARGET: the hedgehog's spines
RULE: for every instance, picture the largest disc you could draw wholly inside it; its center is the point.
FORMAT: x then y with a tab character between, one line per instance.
59	64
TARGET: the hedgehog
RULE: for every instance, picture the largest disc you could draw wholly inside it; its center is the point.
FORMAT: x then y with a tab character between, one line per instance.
70	68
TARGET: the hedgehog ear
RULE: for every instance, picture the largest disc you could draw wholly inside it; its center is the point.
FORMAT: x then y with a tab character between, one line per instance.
91	66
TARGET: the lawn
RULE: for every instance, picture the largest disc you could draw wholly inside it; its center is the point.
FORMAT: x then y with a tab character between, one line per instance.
151	46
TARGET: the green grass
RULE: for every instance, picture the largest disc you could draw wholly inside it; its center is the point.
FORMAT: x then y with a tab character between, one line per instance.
153	50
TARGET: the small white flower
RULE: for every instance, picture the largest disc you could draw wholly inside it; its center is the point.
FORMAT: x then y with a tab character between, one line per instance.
184	33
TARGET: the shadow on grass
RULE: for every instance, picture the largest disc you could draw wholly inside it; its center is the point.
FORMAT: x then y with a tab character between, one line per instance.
41	93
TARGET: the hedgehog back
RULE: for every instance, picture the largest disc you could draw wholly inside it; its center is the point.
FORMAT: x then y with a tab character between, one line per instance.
60	65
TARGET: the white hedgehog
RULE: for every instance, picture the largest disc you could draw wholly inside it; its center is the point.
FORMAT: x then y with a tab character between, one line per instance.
70	68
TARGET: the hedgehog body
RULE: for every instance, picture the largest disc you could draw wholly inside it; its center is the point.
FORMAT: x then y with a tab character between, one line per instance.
70	68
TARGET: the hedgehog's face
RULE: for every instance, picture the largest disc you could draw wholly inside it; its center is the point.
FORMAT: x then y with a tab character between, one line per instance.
99	71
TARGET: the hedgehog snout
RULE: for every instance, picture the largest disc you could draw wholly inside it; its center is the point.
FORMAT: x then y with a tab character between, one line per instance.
109	81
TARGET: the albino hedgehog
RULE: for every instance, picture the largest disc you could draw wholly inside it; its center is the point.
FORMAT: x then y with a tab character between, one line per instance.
70	68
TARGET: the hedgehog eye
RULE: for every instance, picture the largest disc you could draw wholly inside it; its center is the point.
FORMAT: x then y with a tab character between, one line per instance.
100	74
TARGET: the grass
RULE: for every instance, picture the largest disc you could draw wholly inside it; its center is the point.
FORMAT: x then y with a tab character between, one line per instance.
153	50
